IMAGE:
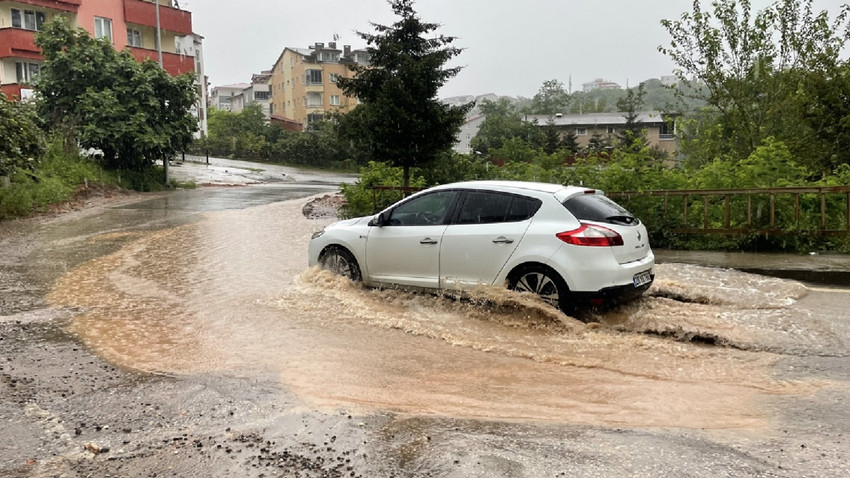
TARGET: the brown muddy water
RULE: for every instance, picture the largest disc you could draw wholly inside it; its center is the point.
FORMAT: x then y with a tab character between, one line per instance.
230	294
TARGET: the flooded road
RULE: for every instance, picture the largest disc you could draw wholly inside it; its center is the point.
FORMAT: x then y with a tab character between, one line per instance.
714	373
229	293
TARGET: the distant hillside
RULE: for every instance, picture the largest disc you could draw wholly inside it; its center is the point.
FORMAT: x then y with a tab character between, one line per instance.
462	100
658	97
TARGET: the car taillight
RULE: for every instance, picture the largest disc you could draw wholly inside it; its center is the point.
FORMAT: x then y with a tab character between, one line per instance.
591	235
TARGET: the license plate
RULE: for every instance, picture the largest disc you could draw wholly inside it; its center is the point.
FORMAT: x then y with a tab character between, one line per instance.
642	278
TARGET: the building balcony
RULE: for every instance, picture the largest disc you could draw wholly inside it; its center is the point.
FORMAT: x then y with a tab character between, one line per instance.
63	5
12	91
170	19
314	88
173	63
18	43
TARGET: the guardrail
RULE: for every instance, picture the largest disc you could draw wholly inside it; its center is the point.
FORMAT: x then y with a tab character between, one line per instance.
822	210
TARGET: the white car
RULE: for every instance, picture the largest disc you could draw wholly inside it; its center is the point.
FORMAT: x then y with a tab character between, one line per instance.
573	246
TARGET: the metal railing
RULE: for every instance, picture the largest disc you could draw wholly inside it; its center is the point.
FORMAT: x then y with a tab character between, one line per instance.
822	210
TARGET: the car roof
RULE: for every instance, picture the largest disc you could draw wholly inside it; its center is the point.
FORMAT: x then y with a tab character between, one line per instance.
519	186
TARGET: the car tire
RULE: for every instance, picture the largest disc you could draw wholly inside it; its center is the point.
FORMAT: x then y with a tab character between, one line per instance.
544	282
340	261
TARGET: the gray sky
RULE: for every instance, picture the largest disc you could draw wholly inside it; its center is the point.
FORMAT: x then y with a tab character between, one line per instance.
511	46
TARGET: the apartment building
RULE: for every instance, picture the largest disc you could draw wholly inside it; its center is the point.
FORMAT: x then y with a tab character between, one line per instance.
221	97
600	84
303	82
130	24
258	92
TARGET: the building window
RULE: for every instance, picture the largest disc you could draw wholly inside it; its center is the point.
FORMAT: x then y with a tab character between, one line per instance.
314	77
667	131
333	77
611	130
26	72
581	131
134	37
313	117
313	100
261	95
27	19
329	56
334	100
103	28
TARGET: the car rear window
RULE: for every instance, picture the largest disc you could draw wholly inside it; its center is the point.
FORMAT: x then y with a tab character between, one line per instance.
599	208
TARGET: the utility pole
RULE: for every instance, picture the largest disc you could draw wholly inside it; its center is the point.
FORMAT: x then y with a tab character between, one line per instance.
159	54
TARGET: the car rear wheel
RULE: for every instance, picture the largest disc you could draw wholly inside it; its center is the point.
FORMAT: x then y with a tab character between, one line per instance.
543	281
340	261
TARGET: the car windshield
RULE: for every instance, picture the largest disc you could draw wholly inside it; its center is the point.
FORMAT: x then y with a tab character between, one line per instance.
599	208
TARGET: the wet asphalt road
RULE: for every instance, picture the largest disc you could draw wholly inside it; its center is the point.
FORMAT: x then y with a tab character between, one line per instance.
66	412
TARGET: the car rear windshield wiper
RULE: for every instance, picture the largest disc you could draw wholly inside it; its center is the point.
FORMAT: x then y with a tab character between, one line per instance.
621	219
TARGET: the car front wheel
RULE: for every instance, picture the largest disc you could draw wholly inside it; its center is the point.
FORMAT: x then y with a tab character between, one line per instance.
340	261
542	281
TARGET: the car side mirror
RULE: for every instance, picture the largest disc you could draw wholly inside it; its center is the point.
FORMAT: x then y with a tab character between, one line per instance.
380	220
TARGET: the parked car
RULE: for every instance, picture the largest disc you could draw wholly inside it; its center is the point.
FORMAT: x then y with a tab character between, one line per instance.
572	246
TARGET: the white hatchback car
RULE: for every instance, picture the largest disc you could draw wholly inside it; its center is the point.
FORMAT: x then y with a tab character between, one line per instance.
573	246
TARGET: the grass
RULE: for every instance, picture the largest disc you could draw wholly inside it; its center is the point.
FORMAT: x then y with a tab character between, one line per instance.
61	176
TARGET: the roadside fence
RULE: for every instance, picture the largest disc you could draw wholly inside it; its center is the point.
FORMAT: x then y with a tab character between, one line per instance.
771	211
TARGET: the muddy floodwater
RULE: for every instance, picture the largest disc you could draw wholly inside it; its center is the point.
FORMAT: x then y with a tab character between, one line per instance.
229	293
182	334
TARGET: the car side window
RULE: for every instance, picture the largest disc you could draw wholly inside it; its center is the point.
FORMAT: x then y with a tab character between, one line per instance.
487	207
427	210
522	208
483	207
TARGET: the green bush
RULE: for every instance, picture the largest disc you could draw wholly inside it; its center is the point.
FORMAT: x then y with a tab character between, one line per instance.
21	140
362	200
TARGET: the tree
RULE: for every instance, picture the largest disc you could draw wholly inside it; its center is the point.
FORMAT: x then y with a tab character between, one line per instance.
550	137
243	135
502	121
631	137
399	115
824	106
99	98
598	144
752	67
550	99
21	140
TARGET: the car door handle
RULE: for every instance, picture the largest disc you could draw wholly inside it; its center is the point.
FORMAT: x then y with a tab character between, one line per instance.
428	241
503	240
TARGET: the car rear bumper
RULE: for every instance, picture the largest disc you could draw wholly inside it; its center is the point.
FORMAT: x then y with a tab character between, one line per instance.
609	296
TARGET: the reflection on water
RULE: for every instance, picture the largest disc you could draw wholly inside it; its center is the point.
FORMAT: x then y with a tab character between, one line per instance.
230	294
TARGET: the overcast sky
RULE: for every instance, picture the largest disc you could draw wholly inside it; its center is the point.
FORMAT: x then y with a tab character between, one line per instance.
510	46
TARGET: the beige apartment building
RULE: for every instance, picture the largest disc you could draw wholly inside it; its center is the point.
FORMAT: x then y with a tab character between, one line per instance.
303	82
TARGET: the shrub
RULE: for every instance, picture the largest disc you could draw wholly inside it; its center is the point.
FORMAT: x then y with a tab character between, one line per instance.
21	140
361	200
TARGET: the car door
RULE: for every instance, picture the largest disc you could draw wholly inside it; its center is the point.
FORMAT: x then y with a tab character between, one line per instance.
487	230
405	250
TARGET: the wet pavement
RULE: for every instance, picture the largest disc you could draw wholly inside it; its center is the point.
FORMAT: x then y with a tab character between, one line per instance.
816	267
182	335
